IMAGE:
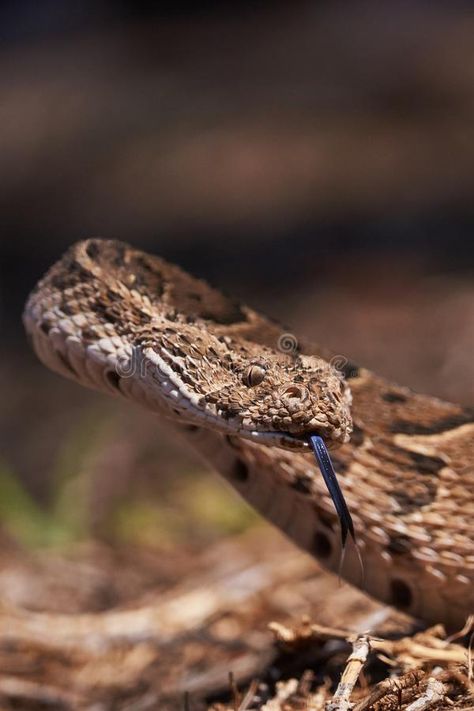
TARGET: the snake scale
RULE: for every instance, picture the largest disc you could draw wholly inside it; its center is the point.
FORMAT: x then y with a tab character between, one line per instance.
130	324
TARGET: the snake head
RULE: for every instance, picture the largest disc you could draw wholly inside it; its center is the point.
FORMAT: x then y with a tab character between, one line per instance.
282	399
256	392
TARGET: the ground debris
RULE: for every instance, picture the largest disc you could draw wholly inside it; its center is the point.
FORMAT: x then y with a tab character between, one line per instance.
246	625
422	671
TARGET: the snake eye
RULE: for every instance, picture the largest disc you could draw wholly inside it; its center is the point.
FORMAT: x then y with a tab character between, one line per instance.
254	375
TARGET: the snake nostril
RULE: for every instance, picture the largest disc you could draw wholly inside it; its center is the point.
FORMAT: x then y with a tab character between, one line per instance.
295	391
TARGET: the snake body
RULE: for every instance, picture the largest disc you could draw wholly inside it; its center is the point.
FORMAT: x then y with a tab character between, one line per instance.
130	324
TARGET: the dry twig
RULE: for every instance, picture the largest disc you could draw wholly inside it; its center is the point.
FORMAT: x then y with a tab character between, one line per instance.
341	698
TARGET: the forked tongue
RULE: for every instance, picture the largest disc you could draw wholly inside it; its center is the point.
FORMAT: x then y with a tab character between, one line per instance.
330	479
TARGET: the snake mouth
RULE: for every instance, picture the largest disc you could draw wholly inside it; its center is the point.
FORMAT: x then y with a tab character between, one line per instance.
288	440
281	439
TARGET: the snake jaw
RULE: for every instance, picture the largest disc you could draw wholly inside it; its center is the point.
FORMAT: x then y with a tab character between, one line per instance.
286	440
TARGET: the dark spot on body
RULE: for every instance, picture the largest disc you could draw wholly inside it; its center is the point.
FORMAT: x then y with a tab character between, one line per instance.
399	545
45	327
401	595
321	547
410	501
357	436
113	378
92	249
393	454
302	484
425	464
349	370
240	470
443	425
394	397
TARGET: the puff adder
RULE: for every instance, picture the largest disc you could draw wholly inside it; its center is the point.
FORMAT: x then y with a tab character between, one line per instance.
130	324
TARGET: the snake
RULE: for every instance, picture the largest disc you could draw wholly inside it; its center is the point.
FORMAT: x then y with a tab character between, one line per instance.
248	396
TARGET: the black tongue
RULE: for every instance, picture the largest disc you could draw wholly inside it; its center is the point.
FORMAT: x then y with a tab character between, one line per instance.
329	476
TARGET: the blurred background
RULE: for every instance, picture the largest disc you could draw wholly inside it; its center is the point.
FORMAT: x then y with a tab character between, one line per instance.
315	159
